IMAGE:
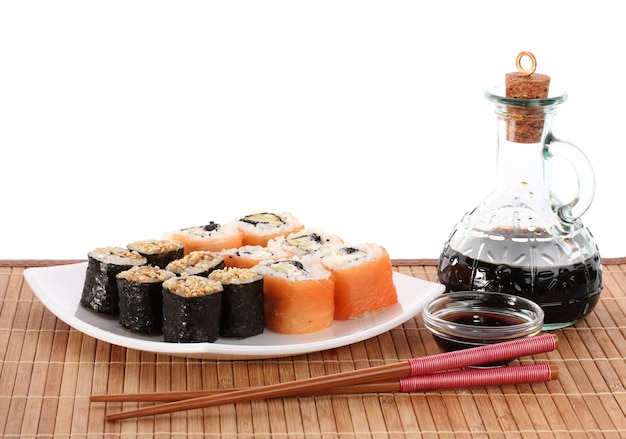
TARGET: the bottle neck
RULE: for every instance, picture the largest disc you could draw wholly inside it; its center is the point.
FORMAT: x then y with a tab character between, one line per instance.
523	172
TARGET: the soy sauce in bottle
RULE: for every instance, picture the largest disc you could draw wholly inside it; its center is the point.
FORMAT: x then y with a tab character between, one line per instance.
521	239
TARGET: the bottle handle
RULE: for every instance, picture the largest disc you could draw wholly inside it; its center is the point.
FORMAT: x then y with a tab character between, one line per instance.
554	147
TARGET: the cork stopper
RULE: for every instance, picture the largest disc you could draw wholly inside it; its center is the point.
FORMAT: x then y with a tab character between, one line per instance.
525	124
525	83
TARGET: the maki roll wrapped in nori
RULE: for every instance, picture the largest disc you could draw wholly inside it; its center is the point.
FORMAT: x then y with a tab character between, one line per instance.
100	292
198	263
191	309
158	252
140	298
242	313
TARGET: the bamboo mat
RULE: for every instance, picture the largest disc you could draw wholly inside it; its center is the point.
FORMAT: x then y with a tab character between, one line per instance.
48	371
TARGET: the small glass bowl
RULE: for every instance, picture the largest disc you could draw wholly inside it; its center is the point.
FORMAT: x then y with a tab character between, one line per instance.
465	319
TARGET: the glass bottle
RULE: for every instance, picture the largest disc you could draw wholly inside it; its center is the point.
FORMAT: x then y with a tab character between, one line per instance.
521	239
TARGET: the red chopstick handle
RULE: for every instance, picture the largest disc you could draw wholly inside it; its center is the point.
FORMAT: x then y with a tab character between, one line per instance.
483	354
532	373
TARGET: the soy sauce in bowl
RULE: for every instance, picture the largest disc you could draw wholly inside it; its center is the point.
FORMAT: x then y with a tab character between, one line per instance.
466	319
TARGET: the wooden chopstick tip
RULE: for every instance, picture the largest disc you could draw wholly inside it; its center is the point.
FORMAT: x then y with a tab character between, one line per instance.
554	372
556	341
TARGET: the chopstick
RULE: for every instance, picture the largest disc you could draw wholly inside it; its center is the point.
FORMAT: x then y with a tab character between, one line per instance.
440	380
382	386
424	365
411	368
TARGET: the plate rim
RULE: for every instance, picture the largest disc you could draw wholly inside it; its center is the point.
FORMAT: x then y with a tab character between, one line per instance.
225	350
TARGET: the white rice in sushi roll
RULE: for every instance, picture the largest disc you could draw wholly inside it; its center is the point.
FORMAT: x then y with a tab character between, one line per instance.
258	228
308	241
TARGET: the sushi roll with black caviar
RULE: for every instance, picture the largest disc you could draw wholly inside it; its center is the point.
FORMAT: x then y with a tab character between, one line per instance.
100	292
309	241
259	228
299	295
242	313
198	263
248	256
158	252
140	298
210	237
191	309
363	276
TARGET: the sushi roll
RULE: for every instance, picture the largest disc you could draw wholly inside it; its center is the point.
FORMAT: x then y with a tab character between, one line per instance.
242	302
191	309
140	298
299	295
250	255
158	252
100	292
259	228
307	241
363	279
198	263
211	237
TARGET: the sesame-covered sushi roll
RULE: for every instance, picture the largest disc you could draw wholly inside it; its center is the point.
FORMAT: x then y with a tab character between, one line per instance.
259	228
307	241
198	263
191	309
242	302
250	255
363	279
158	252
100	292
299	295
140	298
211	237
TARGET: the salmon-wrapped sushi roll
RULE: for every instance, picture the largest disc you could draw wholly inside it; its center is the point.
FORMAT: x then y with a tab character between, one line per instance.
299	295
250	255
308	241
211	237
363	279
259	228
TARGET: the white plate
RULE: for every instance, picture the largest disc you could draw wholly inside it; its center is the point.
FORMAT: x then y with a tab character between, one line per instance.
60	288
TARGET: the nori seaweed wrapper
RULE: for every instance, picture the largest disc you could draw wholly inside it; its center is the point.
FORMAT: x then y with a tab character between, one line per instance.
191	319
162	259
100	293
140	300
158	253
140	306
242	313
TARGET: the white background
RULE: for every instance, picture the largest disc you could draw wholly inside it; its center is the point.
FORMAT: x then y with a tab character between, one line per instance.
120	120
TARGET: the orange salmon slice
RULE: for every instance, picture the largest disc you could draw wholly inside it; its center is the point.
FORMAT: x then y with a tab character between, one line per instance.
298	307
363	288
